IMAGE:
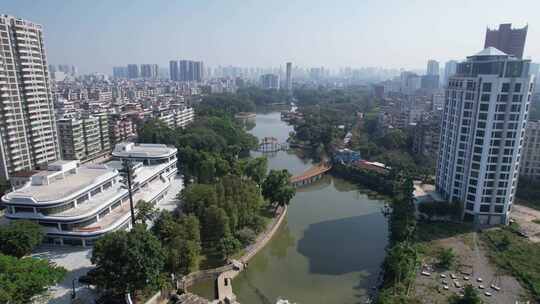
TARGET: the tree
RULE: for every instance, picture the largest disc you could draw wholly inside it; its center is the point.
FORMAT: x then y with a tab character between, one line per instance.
146	211
256	169
19	238
446	258
400	263
470	296
276	187
4	186
128	261
22	279
403	219
216	225
228	245
246	236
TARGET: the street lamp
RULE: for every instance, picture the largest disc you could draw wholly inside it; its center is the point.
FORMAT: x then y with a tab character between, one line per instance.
129	170
73	294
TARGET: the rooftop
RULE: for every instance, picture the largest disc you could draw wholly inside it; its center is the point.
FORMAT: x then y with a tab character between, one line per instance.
143	150
62	188
490	51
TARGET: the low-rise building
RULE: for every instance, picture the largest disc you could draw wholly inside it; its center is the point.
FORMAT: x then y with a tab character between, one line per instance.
77	204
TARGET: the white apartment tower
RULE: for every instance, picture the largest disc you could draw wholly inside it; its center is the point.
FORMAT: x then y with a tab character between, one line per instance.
483	126
27	123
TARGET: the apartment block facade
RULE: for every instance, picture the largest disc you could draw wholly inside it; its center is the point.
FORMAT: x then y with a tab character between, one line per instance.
84	138
28	137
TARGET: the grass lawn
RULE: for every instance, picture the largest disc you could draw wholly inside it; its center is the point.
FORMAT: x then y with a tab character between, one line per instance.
429	231
518	256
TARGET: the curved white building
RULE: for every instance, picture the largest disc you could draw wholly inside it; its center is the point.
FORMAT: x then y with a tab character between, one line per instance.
78	204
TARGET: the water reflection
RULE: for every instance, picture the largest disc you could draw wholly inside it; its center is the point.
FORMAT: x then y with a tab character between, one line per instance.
350	245
331	245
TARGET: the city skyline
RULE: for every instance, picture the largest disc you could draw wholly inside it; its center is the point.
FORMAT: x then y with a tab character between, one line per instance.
333	36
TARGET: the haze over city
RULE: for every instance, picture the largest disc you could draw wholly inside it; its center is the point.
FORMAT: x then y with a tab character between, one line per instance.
95	35
277	152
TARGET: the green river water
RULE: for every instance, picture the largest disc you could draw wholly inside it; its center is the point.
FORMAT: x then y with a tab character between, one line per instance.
329	248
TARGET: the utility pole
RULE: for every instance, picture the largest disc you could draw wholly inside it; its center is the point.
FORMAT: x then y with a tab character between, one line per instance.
127	168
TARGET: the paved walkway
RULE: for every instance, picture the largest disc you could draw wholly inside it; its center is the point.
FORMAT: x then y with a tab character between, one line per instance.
224	280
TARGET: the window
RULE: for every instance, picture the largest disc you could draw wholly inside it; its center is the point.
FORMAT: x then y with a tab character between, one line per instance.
505	87
486	87
517	87
484	208
485	97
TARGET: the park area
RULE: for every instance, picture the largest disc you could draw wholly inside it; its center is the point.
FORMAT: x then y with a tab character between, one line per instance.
455	255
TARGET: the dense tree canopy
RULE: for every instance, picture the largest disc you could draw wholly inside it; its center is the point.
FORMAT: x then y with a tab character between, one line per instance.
229	104
276	188
180	236
128	261
145	212
20	237
22	279
223	208
208	149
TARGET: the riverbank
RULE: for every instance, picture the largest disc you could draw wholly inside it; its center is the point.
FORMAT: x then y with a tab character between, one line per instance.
235	266
224	280
332	239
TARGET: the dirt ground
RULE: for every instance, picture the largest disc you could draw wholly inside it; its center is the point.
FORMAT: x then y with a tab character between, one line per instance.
524	217
472	262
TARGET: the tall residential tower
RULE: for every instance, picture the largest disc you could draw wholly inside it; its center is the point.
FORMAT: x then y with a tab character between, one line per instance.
28	136
483	125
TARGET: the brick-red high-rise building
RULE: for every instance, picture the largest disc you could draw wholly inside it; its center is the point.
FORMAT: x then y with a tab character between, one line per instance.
509	40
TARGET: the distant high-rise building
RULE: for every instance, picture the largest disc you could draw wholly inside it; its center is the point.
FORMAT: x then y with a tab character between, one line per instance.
410	82
506	39
270	81
430	82
28	136
133	71
120	72
173	70
433	67
483	125
288	77
198	71
186	70
149	71
449	70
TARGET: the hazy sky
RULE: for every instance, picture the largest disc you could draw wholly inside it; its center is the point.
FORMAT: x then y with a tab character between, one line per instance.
98	34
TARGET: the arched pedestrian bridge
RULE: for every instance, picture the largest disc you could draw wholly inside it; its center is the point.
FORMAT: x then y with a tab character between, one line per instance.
271	144
312	174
